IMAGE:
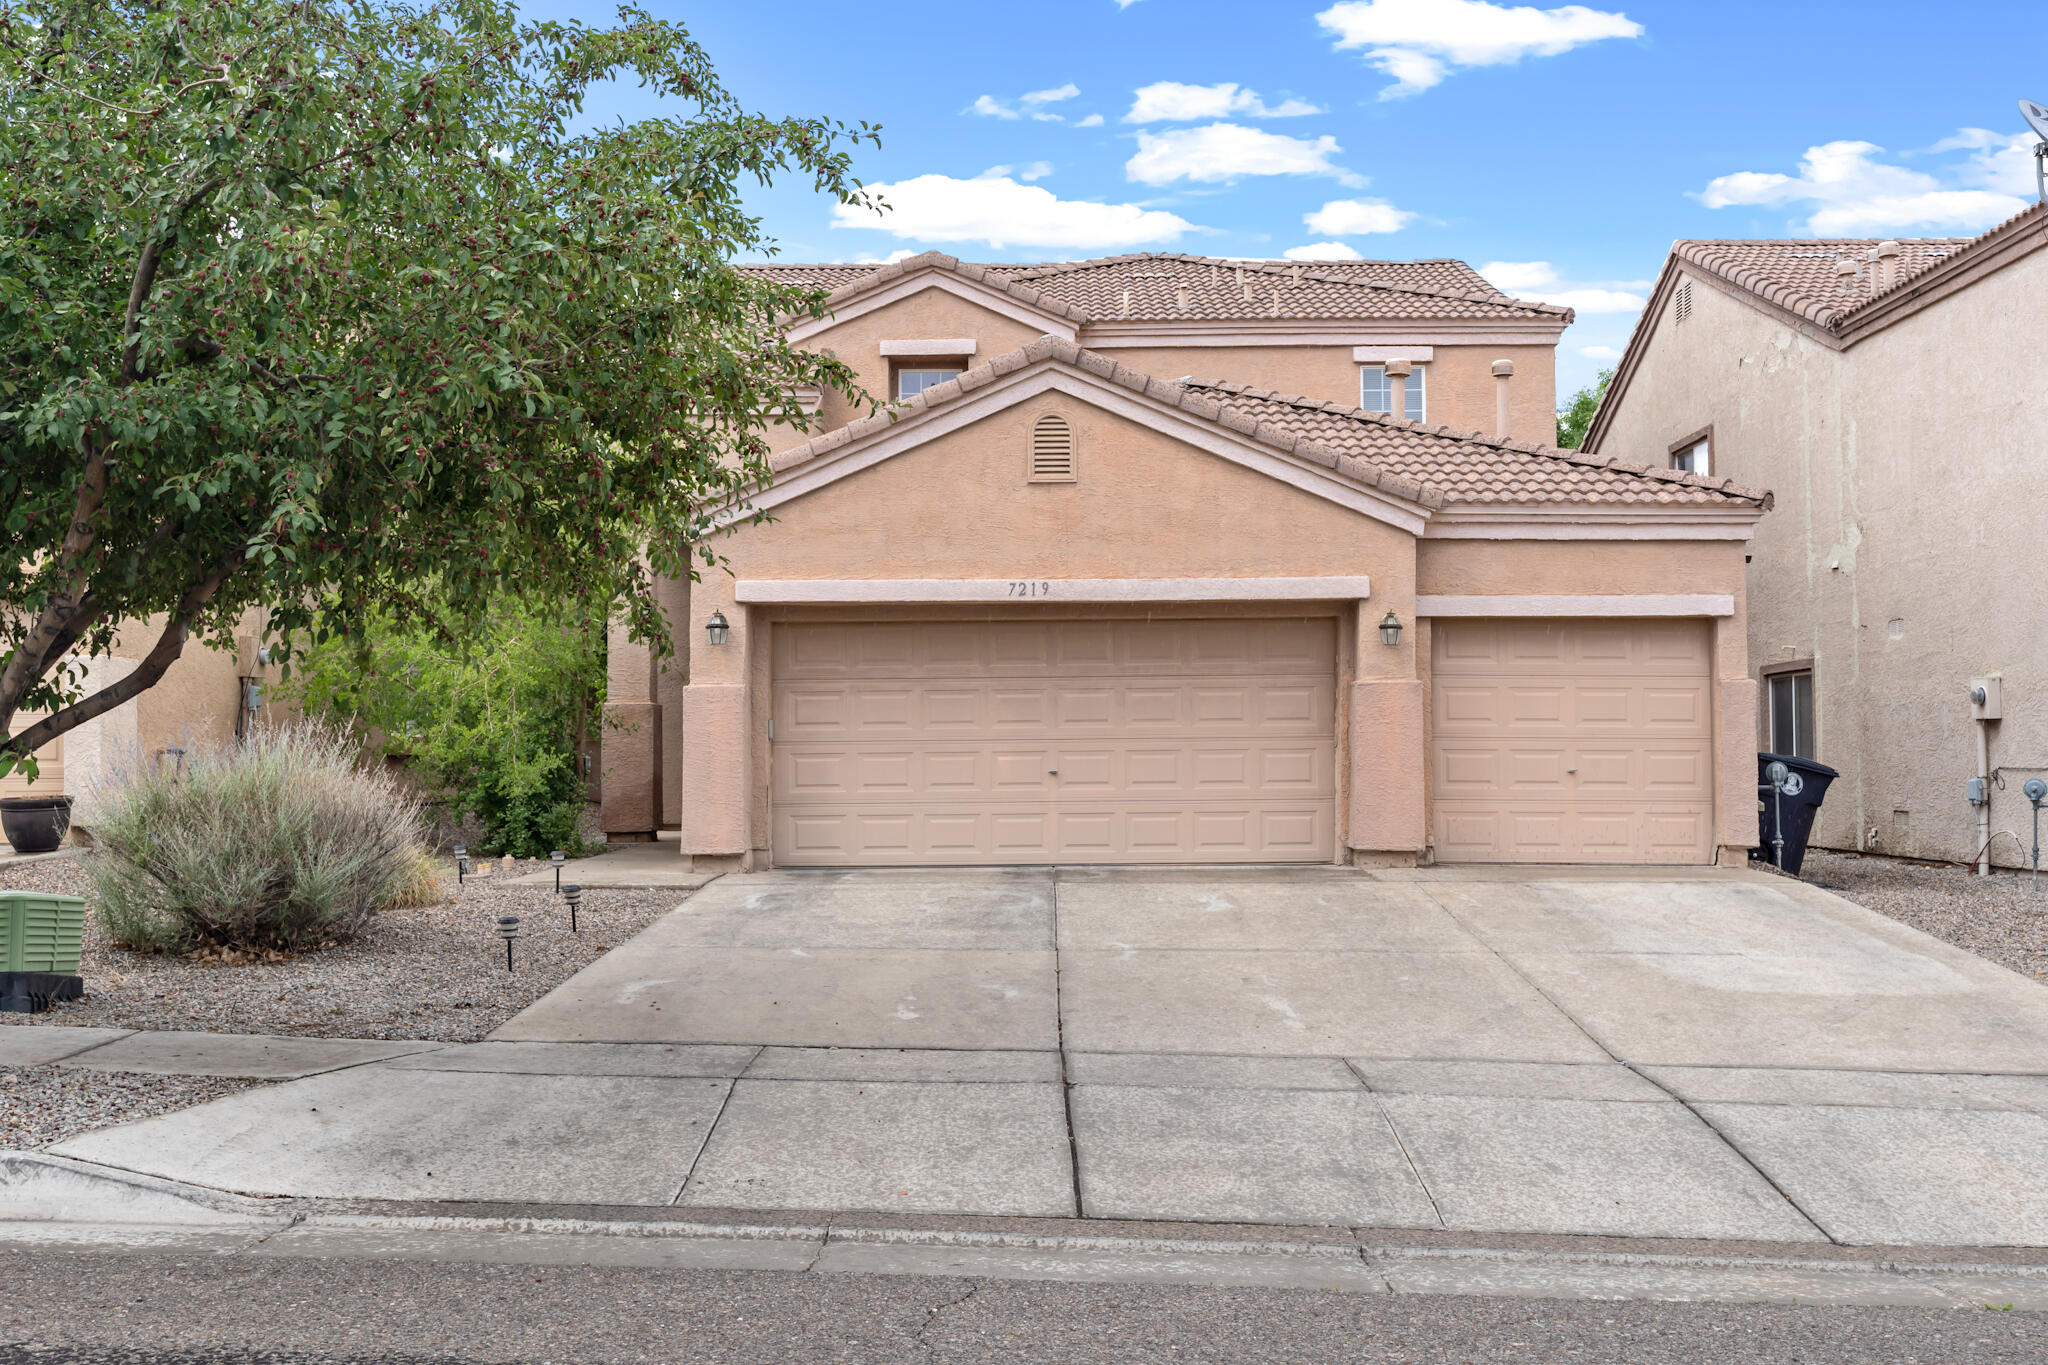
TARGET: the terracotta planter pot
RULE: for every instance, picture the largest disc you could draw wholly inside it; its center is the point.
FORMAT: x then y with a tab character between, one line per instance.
35	824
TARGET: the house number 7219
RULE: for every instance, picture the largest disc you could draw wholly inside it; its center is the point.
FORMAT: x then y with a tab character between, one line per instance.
1029	589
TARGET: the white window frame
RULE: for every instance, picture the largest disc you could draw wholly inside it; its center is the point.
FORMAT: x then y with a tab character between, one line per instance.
1696	458
1416	394
931	372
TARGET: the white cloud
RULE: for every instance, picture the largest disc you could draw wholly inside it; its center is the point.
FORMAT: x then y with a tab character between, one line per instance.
870	258
1418	42
1172	102
988	106
997	210
1225	151
1599	353
1848	192
1322	251
1512	277
1092	121
1356	217
1037	170
1538	280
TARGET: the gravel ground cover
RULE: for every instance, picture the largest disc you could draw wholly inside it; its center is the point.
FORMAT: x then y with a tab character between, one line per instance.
1997	917
436	973
40	1105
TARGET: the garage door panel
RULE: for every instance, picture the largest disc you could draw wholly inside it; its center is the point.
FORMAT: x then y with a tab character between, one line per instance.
1172	740
1571	741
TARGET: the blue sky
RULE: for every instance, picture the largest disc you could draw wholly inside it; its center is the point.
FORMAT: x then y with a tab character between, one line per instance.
1560	149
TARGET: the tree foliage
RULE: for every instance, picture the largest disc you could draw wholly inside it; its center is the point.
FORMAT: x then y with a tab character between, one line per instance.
490	723
1576	417
325	305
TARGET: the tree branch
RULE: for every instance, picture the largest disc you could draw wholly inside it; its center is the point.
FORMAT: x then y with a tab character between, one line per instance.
168	647
30	661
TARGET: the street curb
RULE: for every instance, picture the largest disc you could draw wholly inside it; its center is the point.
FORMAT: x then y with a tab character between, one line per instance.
38	1188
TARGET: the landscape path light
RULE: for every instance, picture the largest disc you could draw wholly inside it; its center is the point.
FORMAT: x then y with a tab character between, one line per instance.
574	894
557	857
508	929
461	863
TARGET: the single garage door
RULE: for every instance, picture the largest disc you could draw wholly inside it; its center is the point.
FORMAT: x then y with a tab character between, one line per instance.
1057	741
1572	741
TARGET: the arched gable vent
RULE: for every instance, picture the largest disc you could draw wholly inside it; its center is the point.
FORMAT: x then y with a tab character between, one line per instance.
1052	450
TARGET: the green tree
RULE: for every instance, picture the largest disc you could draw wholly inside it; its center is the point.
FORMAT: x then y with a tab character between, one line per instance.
1576	416
326	305
489	721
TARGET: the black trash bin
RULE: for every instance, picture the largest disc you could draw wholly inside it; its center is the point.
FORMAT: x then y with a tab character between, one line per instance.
1806	786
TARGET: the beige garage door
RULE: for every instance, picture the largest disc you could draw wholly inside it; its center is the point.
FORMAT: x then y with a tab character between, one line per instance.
1572	741
1061	741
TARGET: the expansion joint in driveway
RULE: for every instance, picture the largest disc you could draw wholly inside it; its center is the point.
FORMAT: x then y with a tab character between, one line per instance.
1059	1019
1598	1042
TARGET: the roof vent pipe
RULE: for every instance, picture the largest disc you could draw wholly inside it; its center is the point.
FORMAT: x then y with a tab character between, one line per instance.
1398	370
1180	297
1127	303
1887	258
1297	272
1503	375
1845	271
1276	303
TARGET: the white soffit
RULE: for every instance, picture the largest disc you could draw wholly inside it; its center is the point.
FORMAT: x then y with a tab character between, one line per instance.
936	346
1637	604
803	591
1380	355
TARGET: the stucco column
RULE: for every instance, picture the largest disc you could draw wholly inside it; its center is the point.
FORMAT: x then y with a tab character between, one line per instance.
1388	824
1735	737
671	674
715	758
630	741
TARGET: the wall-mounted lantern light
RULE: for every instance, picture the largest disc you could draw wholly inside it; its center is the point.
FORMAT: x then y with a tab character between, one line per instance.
717	628
1390	629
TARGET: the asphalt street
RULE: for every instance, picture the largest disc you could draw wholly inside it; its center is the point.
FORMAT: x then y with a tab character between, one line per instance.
61	1307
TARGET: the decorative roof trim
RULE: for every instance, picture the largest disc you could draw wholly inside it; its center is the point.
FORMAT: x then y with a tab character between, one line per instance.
930	262
870	295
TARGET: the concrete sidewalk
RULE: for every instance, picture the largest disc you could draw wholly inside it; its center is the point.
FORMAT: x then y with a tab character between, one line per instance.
1720	1057
625	867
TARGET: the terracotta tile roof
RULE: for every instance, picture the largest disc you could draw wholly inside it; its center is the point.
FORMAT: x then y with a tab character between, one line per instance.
1472	468
1803	275
1217	289
1432	466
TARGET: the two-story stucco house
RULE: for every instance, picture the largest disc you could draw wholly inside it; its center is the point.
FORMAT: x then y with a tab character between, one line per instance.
1167	559
1895	396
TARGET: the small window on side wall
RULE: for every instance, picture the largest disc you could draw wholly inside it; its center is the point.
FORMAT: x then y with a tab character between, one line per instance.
913	377
1791	713
1052	451
1694	458
1376	391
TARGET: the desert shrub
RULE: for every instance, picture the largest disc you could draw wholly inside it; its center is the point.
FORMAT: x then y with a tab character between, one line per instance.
282	841
421	884
486	713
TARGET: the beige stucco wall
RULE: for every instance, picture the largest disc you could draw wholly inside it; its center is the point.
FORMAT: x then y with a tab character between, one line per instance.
1903	557
1146	505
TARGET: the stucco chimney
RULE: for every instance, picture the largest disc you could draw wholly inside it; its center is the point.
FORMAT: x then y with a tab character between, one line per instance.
1887	258
1503	376
1397	387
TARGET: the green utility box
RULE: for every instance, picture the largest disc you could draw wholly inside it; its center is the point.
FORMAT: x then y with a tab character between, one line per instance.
40	933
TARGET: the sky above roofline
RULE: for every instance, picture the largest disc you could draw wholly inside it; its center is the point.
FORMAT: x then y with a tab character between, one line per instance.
1560	150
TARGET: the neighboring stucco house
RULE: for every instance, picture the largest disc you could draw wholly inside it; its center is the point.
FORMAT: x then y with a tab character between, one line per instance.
1139	569
1895	396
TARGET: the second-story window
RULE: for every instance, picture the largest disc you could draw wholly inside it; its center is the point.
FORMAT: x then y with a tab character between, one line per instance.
1693	457
913	377
1376	391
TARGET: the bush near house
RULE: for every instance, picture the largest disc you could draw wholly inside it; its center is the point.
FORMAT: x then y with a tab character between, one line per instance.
1575	418
283	841
489	719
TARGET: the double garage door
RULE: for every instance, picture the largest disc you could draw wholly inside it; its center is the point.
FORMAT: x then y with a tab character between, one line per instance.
1572	741
1214	741
1057	741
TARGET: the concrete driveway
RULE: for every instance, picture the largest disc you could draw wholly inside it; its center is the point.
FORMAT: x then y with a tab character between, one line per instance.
1699	1055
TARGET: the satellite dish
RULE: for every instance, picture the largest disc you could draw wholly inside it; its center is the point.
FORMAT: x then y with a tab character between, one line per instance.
2037	118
